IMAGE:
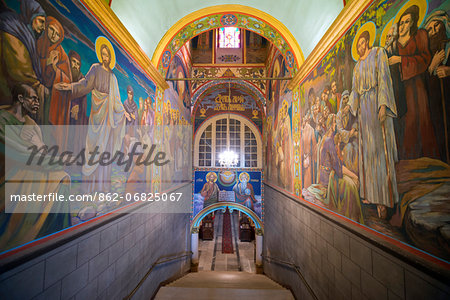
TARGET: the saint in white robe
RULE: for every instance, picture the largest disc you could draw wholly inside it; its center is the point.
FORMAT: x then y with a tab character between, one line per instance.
372	88
106	123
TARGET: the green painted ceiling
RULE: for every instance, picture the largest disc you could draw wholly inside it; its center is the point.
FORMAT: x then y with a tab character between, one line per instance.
149	20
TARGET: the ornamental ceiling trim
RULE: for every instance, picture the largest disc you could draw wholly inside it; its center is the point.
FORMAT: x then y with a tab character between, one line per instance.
227	15
229	72
241	85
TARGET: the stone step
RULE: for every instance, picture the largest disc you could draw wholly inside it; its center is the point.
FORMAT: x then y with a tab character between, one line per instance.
227	279
187	293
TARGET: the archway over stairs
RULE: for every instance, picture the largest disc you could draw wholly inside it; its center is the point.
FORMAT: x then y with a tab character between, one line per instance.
222	206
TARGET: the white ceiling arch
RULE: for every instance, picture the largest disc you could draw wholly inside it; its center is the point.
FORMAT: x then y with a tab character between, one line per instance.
149	20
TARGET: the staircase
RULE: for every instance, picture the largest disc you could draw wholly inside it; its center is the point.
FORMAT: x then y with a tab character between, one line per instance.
223	285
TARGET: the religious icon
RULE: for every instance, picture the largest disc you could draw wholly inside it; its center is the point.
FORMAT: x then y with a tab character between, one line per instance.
210	190
244	191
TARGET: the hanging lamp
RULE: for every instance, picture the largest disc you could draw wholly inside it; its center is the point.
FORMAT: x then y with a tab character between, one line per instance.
228	158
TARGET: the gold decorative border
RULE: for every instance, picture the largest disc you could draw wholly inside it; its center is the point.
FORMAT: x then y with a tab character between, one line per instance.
297	93
111	22
260	65
351	12
158	138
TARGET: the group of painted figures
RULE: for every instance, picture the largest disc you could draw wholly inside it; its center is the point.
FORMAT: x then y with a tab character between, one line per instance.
41	85
352	141
243	191
278	146
33	57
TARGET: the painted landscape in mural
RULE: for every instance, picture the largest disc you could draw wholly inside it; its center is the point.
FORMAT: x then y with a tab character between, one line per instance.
278	132
61	68
242	187
375	118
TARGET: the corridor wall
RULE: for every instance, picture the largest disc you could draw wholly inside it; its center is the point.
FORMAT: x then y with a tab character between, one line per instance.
81	38
104	247
339	261
370	151
109	261
376	164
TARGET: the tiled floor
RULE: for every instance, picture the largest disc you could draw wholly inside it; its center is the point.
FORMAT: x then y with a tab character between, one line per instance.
211	257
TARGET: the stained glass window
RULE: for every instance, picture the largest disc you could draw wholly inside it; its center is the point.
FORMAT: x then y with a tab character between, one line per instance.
229	37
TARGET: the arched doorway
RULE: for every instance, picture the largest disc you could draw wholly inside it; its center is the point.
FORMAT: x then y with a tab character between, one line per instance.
259	230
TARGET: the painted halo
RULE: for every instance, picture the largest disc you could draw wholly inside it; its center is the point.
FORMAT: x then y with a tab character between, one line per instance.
372	29
421	4
207	176
385	32
283	112
244	174
101	40
285	106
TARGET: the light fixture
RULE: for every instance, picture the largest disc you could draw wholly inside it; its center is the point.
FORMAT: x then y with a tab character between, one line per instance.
228	158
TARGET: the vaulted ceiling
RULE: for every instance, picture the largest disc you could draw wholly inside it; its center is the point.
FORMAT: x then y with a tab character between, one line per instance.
149	20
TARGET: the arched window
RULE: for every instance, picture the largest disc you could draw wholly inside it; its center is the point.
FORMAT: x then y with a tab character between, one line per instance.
213	138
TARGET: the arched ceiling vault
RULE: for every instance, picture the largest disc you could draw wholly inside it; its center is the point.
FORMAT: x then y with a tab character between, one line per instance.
227	15
155	24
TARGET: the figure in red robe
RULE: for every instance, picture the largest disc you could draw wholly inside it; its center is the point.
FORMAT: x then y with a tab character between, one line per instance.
414	57
55	68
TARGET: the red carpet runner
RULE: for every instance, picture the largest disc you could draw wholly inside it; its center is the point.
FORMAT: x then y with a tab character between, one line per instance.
227	242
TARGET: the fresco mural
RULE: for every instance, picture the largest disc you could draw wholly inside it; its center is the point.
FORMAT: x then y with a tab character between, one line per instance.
237	185
227	72
217	101
278	133
179	93
374	118
176	116
61	68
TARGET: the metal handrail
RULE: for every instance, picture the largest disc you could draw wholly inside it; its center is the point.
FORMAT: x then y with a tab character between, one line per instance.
159	261
297	270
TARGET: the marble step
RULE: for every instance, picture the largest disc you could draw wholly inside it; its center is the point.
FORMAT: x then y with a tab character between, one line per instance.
173	292
225	279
